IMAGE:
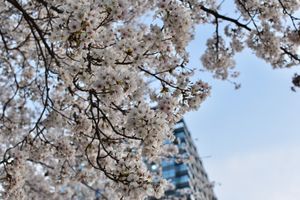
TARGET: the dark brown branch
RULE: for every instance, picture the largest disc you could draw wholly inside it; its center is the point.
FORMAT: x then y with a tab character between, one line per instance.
217	15
51	7
31	22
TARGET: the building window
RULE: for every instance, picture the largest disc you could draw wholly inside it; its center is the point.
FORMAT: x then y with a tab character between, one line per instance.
167	163
179	125
167	174
183	185
181	167
180	135
182	179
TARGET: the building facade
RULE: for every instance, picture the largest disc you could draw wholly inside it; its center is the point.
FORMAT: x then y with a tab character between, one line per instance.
189	178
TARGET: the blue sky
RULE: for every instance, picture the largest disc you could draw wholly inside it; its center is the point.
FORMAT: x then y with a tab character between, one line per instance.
251	134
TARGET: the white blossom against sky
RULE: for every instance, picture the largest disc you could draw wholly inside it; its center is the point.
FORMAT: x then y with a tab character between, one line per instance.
251	134
77	91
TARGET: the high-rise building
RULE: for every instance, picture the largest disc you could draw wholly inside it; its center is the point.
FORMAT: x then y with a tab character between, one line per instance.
189	178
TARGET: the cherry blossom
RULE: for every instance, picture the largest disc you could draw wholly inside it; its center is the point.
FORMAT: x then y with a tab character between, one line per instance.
90	91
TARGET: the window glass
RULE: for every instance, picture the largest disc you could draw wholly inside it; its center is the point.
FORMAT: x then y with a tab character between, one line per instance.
181	167
179	125
167	163
168	173
180	134
182	179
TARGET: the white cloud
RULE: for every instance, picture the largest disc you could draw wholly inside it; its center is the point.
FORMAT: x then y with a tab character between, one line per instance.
266	174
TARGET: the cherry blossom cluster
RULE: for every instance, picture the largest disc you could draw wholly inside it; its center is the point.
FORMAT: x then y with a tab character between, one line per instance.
90	89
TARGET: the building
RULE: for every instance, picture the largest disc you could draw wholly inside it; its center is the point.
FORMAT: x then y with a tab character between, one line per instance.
189	178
